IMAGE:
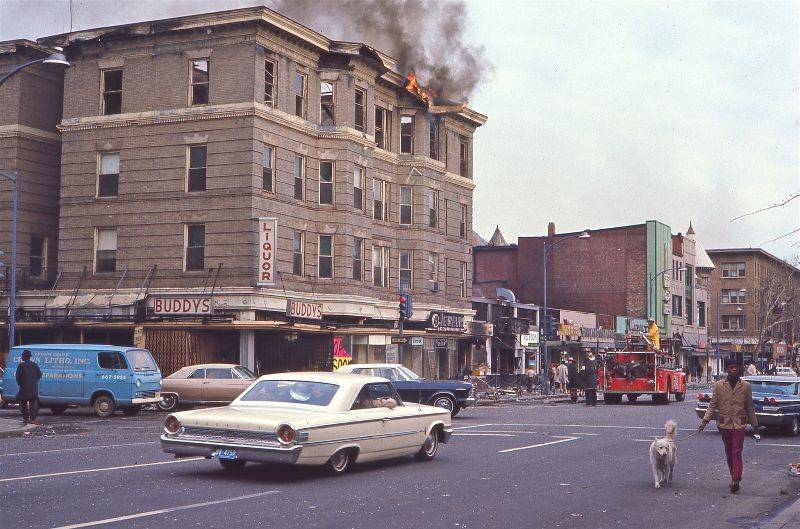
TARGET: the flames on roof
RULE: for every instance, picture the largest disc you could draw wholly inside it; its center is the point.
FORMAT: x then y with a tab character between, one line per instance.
428	96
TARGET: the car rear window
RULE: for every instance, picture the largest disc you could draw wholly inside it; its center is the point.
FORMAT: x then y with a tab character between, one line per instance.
774	388
291	391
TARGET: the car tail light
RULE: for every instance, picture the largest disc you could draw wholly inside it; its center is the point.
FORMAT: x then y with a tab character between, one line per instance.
172	425
770	400
286	434
703	396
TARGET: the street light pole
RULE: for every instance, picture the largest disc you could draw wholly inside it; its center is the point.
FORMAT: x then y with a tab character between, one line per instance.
546	249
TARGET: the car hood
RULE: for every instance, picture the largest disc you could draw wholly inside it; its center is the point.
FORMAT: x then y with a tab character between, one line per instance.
256	418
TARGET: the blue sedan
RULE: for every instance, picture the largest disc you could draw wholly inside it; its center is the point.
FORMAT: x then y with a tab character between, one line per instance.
776	401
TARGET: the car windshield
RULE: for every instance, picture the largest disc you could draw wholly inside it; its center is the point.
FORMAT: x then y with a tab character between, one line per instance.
244	372
141	360
773	388
291	391
408	373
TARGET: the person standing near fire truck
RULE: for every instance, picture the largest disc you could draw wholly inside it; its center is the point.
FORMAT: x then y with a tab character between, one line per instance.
653	334
733	403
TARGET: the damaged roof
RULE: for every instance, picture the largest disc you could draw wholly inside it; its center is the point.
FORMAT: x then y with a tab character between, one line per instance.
16	46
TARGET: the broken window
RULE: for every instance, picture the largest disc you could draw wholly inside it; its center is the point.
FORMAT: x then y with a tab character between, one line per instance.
361	101
406	134
199	82
434	139
300	89
269	83
383	128
112	92
326	104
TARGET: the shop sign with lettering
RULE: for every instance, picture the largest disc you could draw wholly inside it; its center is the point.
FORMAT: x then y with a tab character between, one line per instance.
178	305
340	355
303	309
267	237
440	343
446	321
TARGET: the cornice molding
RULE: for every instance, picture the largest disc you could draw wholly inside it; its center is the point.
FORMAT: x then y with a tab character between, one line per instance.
31	133
459	180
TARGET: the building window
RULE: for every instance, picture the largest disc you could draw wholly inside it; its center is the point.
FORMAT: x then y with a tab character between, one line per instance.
433	271
200	85
463	156
406	134
434	140
326	256
433	209
196	180
406	270
733	295
298	253
326	182
379	188
358	258
326	104
361	100
269	83
733	270
359	179
300	91
383	128
732	323
108	179
106	254
380	266
38	257
462	225
112	92
463	280
267	172
195	247
406	212
299	176
701	314
677	305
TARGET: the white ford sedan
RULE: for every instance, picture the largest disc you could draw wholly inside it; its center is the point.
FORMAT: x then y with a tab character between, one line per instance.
332	419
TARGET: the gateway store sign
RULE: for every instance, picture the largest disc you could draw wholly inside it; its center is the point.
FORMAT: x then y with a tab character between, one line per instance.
182	306
303	309
445	322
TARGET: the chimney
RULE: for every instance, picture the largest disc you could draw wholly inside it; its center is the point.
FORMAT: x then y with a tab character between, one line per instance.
551	229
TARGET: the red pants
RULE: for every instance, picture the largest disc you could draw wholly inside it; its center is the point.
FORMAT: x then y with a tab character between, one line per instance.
734	440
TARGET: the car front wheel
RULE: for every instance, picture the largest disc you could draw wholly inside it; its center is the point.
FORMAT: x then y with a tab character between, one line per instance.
429	447
339	463
169	402
445	402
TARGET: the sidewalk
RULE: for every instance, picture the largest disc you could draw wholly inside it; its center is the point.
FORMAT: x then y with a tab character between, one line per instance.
789	518
14	427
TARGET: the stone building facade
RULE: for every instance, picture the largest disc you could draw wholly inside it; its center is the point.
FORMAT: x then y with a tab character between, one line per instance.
243	160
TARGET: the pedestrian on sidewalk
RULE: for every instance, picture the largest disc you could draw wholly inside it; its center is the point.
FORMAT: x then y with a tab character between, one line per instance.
751	369
590	380
573	380
530	378
733	403
552	377
562	376
28	375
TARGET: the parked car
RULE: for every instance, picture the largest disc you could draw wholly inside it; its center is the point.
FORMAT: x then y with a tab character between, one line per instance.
785	371
331	419
105	377
776	401
452	395
204	384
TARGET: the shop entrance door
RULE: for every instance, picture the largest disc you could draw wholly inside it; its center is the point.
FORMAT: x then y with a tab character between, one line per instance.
441	355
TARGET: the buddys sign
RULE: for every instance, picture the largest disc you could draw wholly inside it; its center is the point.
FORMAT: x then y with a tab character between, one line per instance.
267	237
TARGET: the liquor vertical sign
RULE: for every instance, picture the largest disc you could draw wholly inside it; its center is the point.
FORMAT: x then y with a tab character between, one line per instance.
267	245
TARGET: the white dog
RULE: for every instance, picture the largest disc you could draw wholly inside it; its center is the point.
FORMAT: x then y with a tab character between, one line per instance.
664	455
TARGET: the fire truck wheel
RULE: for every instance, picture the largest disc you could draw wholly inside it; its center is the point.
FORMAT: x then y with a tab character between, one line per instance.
632	397
612	398
679	397
660	398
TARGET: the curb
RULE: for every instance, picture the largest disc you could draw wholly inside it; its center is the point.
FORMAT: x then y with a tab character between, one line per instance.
788	518
6	432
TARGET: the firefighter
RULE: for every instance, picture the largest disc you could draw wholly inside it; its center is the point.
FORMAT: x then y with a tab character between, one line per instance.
653	334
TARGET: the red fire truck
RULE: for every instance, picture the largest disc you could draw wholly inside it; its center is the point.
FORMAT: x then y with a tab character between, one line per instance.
637	371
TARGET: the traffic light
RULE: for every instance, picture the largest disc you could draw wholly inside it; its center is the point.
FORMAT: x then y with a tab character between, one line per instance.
406	307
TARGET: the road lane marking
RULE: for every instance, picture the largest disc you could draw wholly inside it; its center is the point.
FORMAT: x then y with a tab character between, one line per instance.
596	426
643	440
106	469
78	448
781	444
165	511
473	426
583	433
565	440
484	434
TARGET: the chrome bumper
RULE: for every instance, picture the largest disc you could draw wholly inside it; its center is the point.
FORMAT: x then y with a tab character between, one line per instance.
149	400
261	454
446	433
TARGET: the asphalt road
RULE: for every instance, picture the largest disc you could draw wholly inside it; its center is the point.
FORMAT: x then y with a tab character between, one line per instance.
532	466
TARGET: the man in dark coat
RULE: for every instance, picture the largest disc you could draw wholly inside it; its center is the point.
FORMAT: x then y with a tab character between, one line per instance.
573	382
28	375
590	380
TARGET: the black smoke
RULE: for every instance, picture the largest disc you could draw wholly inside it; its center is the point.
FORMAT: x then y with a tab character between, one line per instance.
429	37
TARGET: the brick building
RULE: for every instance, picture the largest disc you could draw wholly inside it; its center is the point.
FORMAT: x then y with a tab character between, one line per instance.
754	305
235	185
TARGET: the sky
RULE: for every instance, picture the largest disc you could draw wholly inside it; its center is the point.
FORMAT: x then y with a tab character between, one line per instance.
600	113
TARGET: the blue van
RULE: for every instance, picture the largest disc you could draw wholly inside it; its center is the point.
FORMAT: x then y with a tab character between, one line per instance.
105	377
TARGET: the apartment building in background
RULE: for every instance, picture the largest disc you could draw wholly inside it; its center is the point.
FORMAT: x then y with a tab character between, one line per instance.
235	186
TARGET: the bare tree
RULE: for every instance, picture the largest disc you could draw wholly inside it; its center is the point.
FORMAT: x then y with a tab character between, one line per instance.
779	305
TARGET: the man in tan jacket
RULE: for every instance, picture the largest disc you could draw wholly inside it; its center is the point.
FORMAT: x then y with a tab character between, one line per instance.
733	404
